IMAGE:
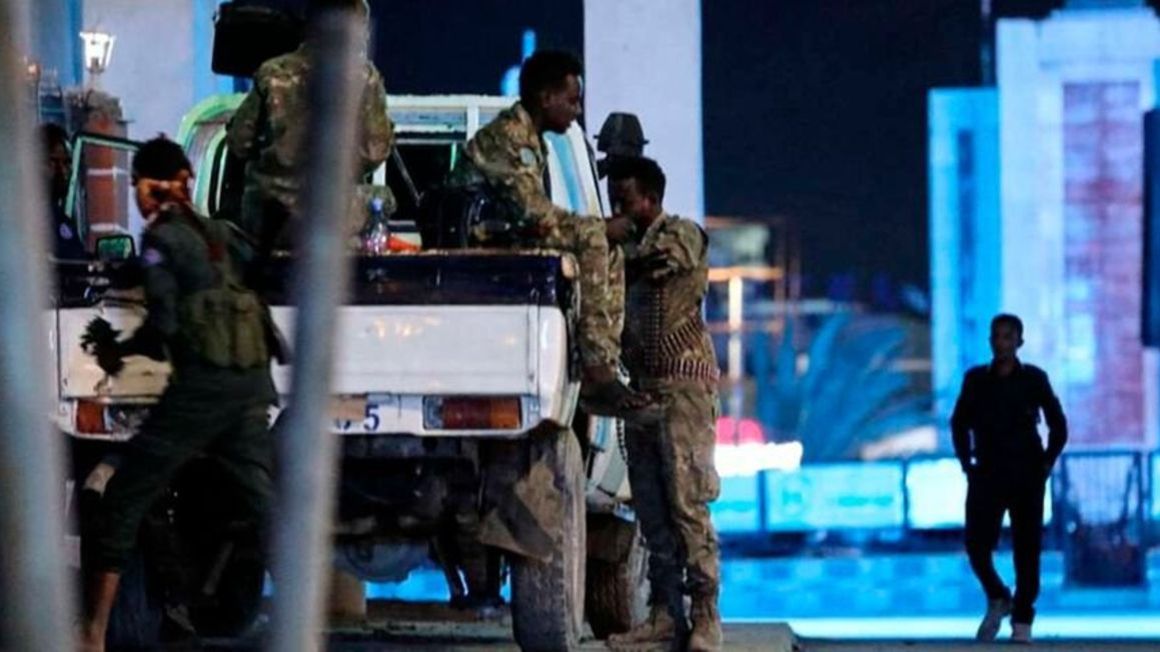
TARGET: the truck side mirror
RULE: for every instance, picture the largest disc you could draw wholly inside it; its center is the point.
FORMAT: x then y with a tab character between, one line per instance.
116	247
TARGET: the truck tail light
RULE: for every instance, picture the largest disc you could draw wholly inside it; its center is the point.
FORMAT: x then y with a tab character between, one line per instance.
90	418
471	413
93	418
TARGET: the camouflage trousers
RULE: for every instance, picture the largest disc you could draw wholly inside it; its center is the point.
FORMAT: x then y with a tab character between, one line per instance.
670	469
601	281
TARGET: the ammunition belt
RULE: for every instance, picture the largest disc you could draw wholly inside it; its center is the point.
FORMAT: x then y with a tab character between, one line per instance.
686	337
686	370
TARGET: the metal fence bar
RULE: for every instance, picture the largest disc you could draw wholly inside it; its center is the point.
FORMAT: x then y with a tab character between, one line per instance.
35	600
303	523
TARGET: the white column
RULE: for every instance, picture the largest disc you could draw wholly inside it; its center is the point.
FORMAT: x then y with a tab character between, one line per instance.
152	68
1025	259
644	57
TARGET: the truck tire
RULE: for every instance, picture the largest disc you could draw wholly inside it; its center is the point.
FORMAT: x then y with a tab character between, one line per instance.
237	599
617	596
548	598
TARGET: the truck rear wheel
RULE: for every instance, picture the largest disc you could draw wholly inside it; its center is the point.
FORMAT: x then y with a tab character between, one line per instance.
548	598
617	596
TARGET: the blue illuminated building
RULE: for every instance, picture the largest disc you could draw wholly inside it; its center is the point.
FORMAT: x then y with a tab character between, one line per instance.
965	236
1036	208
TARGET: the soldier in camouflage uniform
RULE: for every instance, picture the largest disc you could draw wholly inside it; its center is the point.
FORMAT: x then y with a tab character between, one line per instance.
268	132
668	351
508	156
218	338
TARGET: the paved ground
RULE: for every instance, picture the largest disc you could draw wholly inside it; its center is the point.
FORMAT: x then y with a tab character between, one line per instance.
1070	645
412	626
433	626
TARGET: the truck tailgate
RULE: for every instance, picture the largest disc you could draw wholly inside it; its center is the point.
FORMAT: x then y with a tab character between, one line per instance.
431	349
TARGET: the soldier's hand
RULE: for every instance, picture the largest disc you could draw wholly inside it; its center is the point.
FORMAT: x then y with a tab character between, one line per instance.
98	332
110	359
100	341
620	229
652	267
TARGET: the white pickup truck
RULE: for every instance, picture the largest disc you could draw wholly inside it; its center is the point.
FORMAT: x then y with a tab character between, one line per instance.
455	383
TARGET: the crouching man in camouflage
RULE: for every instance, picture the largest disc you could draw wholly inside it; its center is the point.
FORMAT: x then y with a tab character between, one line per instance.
668	352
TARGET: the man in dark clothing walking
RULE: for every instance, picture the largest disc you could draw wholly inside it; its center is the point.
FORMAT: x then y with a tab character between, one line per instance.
998	445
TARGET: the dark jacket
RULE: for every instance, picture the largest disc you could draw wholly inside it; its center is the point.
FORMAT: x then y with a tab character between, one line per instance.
1002	412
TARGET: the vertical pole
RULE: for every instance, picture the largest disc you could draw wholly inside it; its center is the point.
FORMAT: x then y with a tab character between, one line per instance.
302	536
35	600
986	44
736	360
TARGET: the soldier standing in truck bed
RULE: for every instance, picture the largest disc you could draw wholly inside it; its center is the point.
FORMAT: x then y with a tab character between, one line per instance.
668	352
268	131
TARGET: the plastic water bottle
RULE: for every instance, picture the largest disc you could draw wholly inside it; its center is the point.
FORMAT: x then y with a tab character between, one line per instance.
375	239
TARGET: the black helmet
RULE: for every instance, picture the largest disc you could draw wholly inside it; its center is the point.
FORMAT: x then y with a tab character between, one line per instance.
621	135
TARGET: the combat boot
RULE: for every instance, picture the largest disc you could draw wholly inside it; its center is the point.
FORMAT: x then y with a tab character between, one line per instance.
659	628
706	618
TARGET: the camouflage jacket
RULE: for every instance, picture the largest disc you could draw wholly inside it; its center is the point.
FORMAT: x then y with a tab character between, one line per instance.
269	128
509	156
668	275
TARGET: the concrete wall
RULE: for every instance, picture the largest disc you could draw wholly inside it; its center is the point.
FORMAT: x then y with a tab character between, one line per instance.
1072	92
644	57
160	64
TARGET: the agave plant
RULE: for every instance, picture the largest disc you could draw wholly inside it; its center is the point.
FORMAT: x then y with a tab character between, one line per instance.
846	393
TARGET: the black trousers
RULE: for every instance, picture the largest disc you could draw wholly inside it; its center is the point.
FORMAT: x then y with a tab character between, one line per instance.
990	495
223	414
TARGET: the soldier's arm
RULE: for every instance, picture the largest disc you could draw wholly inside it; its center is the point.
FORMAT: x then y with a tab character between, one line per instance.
160	300
961	421
242	249
510	166
680	247
378	131
242	132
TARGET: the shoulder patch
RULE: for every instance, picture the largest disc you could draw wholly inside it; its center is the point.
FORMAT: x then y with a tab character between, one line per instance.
152	257
66	232
527	156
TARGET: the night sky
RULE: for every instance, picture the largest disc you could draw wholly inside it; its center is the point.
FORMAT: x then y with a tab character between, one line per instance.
816	110
813	109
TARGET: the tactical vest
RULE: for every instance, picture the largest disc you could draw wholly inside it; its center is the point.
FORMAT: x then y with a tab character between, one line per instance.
225	325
